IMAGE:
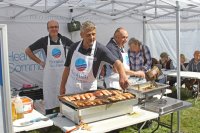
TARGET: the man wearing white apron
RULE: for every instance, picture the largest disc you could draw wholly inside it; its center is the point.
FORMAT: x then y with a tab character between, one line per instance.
116	46
83	63
55	48
52	74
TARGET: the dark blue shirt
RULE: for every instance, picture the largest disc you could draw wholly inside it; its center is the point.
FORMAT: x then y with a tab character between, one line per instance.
43	42
116	51
193	67
101	54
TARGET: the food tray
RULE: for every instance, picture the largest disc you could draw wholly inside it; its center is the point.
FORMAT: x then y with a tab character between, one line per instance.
147	89
163	105
96	112
104	98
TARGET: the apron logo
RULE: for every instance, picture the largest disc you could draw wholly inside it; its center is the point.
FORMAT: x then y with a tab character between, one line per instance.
127	60
56	53
80	64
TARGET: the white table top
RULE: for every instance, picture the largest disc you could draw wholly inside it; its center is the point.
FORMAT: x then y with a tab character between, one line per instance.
108	124
36	125
185	74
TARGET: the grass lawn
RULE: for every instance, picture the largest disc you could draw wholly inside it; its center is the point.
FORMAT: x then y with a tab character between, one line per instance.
189	117
190	122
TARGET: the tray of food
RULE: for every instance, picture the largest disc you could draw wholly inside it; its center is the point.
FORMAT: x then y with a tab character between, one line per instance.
96	105
95	98
147	89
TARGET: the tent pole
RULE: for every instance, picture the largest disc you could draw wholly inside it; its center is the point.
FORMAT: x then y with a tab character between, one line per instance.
178	59
45	8
144	30
5	96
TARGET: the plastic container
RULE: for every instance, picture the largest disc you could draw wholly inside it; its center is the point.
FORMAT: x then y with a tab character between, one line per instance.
27	104
19	107
14	115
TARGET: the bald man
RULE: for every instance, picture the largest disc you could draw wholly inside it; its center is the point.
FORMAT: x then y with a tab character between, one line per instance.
55	46
116	46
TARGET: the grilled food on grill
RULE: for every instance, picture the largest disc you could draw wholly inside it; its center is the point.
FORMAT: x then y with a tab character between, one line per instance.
98	97
79	103
98	93
144	86
121	96
128	95
71	98
77	97
116	92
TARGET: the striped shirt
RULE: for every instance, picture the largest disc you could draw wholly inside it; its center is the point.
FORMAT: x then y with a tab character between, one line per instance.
137	61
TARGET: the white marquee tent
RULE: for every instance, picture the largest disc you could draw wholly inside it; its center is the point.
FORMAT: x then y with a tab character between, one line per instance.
151	21
26	20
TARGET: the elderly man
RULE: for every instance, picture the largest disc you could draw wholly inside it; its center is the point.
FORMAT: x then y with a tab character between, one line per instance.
83	63
183	63
55	47
116	46
139	55
193	66
167	64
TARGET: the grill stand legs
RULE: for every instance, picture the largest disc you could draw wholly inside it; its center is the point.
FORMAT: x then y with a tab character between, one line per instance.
141	127
166	125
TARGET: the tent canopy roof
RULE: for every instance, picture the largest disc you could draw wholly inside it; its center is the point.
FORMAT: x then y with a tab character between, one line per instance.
110	9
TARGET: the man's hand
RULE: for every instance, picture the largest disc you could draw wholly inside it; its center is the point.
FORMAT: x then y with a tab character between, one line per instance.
123	81
42	64
140	74
64	80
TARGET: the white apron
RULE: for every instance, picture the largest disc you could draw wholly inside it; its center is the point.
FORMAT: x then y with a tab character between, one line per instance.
113	80
52	74
81	78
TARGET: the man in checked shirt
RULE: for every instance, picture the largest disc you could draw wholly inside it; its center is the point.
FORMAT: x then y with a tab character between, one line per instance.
139	55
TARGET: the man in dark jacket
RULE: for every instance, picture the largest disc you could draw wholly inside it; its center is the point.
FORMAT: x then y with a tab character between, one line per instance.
193	66
116	46
167	64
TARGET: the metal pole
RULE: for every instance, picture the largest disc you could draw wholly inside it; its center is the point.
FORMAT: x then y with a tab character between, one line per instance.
144	30
45	6
71	18
5	90
178	60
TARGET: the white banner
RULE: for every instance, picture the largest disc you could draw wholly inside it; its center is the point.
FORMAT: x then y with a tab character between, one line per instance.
22	34
23	70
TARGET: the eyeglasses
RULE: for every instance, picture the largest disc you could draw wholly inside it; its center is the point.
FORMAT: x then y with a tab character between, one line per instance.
51	27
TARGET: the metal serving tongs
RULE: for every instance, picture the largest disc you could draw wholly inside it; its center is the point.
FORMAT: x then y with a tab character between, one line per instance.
154	83
82	126
125	90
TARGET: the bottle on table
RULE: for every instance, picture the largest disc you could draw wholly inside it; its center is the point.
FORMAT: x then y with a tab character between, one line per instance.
19	107
14	115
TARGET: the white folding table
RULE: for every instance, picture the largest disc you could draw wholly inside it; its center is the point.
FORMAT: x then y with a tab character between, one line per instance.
36	125
184	74
108	124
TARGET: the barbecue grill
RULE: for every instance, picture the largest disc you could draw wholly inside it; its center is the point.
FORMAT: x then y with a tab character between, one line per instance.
146	92
108	108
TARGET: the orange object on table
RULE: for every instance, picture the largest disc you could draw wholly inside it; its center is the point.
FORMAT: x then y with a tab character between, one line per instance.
28	104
